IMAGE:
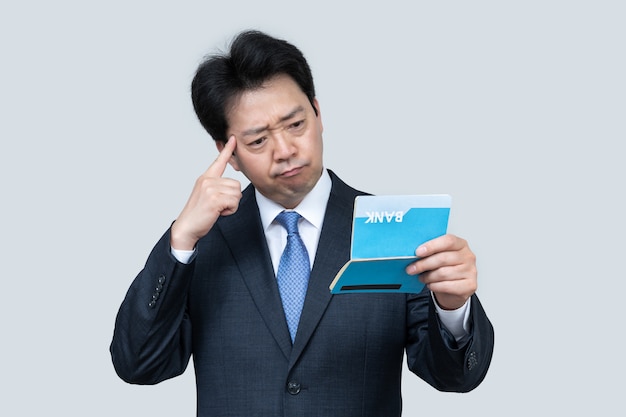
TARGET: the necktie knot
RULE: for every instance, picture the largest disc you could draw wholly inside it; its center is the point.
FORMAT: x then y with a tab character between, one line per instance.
289	220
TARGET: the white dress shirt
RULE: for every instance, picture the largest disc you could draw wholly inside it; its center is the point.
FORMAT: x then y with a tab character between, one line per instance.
312	209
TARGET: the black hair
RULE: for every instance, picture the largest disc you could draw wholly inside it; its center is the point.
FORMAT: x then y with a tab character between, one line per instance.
254	58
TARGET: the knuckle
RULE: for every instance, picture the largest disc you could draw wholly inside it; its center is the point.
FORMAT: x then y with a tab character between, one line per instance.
471	257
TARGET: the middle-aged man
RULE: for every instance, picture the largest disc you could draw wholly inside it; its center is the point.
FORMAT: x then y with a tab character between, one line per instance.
216	285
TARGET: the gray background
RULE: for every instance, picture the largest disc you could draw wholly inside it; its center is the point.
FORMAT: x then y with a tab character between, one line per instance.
516	109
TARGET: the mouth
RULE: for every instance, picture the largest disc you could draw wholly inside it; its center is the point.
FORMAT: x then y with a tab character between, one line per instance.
291	172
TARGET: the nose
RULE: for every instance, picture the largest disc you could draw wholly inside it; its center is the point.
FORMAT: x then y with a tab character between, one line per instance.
284	147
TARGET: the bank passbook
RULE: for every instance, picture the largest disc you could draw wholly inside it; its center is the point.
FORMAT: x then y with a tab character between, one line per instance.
386	231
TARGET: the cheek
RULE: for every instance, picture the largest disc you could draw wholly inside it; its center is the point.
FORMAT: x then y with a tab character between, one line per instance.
317	146
254	165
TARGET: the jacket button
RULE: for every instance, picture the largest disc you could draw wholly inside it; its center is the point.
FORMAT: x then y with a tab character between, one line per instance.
161	279
472	361
293	388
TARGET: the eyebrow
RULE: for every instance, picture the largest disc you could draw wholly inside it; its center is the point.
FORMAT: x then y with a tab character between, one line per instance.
256	130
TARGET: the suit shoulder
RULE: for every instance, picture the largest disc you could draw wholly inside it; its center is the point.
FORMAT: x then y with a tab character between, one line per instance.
342	190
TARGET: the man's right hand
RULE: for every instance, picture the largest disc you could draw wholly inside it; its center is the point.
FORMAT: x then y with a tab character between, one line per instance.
212	196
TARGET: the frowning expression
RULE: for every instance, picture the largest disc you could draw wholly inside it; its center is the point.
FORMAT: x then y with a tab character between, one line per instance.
279	140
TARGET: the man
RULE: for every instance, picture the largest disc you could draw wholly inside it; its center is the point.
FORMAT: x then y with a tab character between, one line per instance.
212	285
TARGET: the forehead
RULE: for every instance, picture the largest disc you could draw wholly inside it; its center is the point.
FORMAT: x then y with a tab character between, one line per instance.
270	103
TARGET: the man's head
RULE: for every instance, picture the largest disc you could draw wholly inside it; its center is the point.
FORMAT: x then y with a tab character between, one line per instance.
254	58
262	96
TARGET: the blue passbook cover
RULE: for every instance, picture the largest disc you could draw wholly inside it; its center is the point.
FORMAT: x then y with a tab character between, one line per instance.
386	231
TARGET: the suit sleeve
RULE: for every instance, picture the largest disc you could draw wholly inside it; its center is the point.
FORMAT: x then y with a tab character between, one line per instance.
152	334
436	357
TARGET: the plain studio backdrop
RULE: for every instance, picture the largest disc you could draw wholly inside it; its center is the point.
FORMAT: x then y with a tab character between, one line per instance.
515	108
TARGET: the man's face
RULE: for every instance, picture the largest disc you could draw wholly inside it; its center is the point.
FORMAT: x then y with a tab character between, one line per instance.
279	140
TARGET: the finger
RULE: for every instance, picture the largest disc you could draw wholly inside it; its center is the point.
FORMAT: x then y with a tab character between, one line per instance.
458	254
231	207
433	262
440	244
447	273
218	166
455	283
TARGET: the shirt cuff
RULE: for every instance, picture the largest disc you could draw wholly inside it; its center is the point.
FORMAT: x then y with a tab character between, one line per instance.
455	321
183	256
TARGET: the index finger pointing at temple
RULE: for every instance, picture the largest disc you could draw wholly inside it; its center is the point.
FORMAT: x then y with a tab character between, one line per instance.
218	166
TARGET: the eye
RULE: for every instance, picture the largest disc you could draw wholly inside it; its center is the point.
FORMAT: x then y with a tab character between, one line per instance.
258	142
296	125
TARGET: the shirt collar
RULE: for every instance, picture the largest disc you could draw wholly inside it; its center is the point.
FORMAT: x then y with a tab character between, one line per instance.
311	208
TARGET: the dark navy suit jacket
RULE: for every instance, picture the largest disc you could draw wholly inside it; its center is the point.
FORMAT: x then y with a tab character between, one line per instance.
224	309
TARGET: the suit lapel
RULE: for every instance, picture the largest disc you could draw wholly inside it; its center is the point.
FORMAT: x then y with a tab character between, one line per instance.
244	235
333	251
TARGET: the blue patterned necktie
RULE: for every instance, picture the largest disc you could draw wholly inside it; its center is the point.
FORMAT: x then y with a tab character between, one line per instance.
293	271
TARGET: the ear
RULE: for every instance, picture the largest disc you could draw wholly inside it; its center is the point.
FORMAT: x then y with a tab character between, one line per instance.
233	159
316	105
